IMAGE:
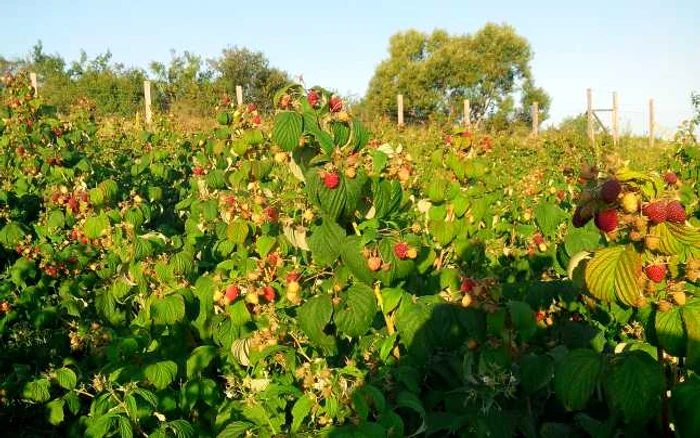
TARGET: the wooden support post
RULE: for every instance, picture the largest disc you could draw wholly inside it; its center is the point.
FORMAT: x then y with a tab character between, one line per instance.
399	104
615	120
651	122
535	119
147	100
239	95
467	115
589	114
32	77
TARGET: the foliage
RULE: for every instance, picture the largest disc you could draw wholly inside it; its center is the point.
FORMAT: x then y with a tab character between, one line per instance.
436	72
302	276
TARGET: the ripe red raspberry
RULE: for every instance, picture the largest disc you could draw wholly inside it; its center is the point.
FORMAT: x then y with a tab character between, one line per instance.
537	239
292	276
313	97
468	285
252	107
675	212
336	104
671	178
257	120
610	190
331	180
656	273
401	250
607	220
231	292
655	211
269	294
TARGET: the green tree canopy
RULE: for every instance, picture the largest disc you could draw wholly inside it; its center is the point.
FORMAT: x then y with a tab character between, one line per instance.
436	72
252	71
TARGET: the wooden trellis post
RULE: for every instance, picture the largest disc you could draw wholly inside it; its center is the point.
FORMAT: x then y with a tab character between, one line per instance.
467	115
589	114
32	77
399	104
147	100
239	95
535	119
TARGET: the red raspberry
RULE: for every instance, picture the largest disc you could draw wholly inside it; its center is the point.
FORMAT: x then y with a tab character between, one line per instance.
401	250
671	178
675	212
468	285
655	211
313	97
336	104
269	294
607	220
656	273
331	180
231	292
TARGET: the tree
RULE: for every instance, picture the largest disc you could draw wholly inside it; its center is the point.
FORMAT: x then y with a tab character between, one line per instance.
436	72
252	71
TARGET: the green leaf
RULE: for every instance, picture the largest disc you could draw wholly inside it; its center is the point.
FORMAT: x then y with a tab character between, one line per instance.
11	234
613	273
125	429
670	332
360	135
264	244
685	409
96	225
161	374
66	378
577	376
37	390
237	231
235	429
535	372
356	311
313	317
300	410
287	130
523	319
168	310
54	411
351	255
635	386
56	219
691	322
199	359
548	217
325	242
359	404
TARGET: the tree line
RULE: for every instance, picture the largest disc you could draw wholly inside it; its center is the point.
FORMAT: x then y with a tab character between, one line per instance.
434	72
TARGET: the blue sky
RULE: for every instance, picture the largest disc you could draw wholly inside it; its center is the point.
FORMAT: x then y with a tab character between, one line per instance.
641	49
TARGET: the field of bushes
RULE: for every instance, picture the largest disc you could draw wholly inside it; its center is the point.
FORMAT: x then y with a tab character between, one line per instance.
306	274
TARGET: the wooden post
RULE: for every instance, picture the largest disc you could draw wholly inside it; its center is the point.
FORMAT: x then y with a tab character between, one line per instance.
467	115
399	104
147	100
615	120
651	122
32	77
239	95
535	118
589	114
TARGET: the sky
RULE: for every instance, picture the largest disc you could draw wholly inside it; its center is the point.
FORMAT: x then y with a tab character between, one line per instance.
642	49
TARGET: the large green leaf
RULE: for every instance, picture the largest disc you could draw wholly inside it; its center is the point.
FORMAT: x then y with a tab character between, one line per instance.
536	372
66	378
635	386
168	310
325	242
288	129
300	410
161	374
548	217
96	225
351	254
577	376
523	319
613	273
685	409
357	311
313	317
11	234
37	390
691	322
199	359
670	333
54	411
